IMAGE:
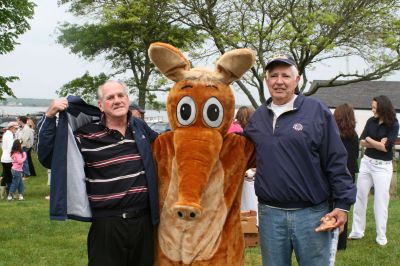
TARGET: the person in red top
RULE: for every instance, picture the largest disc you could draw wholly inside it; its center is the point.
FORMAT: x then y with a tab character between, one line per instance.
18	157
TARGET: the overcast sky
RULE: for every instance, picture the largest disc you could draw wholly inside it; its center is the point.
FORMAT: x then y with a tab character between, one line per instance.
44	66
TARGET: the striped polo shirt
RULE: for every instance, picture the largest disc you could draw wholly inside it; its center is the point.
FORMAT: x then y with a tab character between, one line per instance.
115	176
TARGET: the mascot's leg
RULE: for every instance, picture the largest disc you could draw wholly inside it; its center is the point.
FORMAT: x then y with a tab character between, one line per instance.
231	249
232	244
162	260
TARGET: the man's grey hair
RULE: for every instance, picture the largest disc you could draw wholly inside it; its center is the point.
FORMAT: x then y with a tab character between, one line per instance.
295	71
100	88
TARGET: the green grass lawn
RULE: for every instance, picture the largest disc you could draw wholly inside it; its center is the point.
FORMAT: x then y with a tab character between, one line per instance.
28	237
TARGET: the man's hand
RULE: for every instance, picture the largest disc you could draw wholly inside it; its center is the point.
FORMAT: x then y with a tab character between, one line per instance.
56	106
332	220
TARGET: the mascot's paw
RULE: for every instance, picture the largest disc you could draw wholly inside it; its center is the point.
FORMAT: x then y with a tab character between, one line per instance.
250	174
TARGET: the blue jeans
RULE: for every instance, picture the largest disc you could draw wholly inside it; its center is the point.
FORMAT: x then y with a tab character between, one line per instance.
25	167
282	231
17	182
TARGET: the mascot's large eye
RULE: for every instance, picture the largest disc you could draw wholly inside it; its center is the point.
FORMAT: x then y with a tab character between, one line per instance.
186	111
213	112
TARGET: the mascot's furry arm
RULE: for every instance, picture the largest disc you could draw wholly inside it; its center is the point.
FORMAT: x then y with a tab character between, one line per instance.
200	166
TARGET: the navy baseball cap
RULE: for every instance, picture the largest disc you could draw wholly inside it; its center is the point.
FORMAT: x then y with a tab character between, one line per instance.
281	57
134	106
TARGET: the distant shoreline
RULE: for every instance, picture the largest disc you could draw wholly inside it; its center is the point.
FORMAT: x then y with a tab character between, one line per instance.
12	110
24	105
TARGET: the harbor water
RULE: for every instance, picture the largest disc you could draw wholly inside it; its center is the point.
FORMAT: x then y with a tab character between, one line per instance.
150	115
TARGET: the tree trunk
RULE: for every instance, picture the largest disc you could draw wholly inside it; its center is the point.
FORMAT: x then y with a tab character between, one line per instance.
142	96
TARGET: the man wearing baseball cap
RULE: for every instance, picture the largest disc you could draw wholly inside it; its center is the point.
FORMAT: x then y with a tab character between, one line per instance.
283	58
301	163
136	110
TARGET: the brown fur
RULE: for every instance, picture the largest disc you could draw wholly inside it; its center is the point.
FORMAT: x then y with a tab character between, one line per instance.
200	167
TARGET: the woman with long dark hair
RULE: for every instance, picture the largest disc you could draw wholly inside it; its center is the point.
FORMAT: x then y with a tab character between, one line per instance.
376	169
346	122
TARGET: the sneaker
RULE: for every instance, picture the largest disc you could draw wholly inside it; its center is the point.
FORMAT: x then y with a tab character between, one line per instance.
21	197
9	197
47	197
354	237
381	242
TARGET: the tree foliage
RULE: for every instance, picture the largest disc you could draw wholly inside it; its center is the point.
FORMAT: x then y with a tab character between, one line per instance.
311	31
13	22
85	86
121	32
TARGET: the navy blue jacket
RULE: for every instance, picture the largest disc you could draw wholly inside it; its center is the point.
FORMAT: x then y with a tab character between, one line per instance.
302	162
58	151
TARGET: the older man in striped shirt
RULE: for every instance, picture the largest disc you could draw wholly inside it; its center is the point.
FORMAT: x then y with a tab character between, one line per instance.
117	182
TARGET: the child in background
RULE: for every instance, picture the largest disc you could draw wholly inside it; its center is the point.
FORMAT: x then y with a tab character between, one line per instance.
18	156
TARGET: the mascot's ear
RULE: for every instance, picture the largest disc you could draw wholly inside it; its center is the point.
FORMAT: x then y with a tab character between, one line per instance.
233	64
169	60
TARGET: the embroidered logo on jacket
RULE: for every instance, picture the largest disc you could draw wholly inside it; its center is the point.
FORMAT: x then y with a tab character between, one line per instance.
298	127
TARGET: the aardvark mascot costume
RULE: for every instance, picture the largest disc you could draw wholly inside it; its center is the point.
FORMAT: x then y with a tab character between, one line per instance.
200	166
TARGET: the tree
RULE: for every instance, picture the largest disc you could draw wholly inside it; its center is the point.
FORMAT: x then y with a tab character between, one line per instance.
13	23
85	86
311	31
121	32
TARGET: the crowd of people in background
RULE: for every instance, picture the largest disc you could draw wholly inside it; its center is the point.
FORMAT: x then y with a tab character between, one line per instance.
16	160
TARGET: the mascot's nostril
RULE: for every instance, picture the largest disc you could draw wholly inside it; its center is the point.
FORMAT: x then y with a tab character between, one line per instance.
180	214
192	215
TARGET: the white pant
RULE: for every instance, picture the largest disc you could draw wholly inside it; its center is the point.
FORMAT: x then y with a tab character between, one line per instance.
378	174
249	198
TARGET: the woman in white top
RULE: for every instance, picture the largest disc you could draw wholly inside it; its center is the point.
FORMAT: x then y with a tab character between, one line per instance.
6	161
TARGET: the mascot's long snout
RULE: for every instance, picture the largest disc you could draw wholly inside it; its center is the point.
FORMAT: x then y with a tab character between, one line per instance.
194	168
